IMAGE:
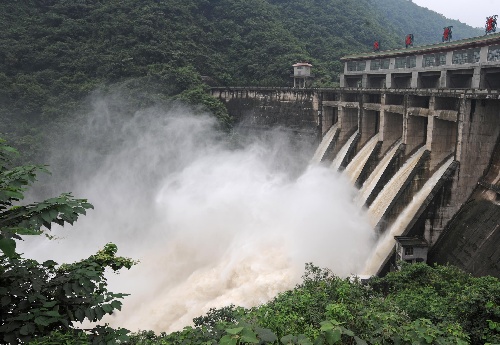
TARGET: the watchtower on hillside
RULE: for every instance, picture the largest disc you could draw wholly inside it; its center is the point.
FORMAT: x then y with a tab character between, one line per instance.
302	76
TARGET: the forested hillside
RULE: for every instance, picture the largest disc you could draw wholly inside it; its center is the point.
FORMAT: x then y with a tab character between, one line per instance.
426	25
57	54
53	53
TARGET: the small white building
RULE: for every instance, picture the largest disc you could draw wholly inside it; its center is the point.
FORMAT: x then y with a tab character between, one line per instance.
302	75
411	249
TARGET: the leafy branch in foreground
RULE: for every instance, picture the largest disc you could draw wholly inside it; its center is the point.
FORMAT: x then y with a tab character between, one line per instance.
39	298
30	219
39	302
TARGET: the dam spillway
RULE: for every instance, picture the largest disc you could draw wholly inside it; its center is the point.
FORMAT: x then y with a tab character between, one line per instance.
341	155
375	176
325	144
353	170
461	124
383	200
382	251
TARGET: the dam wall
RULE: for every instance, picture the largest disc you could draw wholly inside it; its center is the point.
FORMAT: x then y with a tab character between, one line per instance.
439	125
264	108
417	130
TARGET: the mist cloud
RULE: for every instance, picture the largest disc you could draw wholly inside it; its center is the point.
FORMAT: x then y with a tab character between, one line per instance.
212	222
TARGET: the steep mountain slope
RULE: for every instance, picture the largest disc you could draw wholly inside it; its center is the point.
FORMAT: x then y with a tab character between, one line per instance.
426	25
329	29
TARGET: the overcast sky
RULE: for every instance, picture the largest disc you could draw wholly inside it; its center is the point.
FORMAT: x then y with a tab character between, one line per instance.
471	12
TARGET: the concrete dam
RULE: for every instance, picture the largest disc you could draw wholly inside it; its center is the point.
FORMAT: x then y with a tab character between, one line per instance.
417	131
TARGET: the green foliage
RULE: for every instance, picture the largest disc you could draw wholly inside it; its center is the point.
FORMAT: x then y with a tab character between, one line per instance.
38	298
41	301
443	293
30	219
100	335
301	310
239	335
215	318
187	336
327	310
63	338
200	96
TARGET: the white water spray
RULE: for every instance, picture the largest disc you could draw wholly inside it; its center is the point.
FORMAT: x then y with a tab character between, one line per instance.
372	180
342	153
325	143
391	189
353	170
210	224
386	243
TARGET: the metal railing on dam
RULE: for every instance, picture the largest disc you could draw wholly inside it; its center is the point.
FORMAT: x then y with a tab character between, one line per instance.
479	93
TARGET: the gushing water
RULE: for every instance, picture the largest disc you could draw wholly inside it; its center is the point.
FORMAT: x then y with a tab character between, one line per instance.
355	167
387	242
372	180
342	153
382	201
325	143
210	223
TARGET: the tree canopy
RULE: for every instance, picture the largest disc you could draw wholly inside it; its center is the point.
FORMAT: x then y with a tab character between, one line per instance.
53	53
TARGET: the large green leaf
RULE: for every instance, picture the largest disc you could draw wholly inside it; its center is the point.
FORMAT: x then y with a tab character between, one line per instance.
7	246
303	340
333	336
248	336
27	329
52	313
288	339
233	331
360	341
80	314
44	321
228	340
266	335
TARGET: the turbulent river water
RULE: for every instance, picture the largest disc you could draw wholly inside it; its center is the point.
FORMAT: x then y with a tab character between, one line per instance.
214	219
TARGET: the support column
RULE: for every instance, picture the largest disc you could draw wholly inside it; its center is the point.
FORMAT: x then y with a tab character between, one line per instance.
443	82
476	78
483	54
388	80
318	104
405	118
430	132
414	80
465	108
381	118
364	81
449	58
